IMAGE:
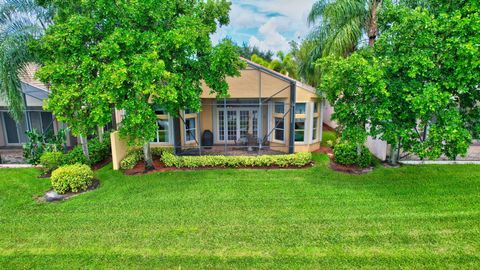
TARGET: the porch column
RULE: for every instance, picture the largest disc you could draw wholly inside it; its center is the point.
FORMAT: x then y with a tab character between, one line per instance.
176	135
291	141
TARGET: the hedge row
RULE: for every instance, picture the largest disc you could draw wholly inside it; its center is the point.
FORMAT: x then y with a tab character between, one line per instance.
291	160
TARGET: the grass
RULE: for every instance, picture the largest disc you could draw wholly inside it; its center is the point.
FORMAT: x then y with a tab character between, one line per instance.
408	217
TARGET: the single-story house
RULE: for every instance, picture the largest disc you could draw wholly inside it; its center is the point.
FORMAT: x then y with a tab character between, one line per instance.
266	113
12	134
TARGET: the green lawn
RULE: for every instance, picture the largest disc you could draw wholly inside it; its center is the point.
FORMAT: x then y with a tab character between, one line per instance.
409	217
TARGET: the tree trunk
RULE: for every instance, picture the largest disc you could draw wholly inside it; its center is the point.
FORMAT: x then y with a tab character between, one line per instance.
84	143
100	134
147	156
373	24
394	154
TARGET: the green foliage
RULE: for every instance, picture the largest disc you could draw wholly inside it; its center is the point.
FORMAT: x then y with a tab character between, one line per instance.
51	161
346	153
296	160
131	159
124	55
246	51
357	90
22	21
285	64
75	156
38	143
339	25
329	138
99	151
72	178
135	155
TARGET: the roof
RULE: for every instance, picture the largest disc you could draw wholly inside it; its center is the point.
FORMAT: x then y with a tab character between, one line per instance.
283	76
31	86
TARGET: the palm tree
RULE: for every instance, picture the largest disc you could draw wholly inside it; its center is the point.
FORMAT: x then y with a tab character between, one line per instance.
21	21
340	24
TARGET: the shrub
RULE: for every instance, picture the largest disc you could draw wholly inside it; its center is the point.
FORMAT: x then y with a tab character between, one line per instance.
38	143
75	156
51	161
73	178
135	155
329	138
346	154
297	160
131	159
99	151
158	151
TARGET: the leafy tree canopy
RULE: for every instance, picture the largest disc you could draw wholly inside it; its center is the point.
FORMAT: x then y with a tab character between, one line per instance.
129	54
425	76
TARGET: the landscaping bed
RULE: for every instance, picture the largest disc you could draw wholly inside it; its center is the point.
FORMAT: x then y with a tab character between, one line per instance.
165	160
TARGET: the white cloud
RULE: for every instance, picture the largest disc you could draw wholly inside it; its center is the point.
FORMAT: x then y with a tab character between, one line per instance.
267	24
271	38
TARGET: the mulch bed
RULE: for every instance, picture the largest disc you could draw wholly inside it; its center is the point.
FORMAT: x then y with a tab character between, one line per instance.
161	167
352	169
101	164
52	196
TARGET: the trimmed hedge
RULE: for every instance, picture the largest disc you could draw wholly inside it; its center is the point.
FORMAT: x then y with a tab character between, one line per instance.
73	178
295	160
135	155
346	154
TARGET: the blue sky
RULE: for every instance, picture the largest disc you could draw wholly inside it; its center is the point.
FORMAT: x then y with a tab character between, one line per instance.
267	24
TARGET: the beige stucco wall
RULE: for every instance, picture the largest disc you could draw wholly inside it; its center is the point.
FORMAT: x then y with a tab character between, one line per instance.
119	149
253	83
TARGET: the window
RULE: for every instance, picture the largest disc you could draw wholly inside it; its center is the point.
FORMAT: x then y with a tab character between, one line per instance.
279	107
160	111
300	129
162	131
300	108
279	129
315	128
190	129
189	111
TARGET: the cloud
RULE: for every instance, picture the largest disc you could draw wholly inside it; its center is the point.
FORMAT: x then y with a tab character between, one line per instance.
271	38
267	24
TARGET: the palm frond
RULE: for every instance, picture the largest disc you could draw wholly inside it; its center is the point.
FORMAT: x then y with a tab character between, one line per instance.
21	21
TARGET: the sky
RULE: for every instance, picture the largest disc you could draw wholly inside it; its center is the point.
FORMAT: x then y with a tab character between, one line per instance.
267	24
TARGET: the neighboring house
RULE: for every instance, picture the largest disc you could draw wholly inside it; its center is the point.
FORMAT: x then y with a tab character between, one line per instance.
12	134
266	112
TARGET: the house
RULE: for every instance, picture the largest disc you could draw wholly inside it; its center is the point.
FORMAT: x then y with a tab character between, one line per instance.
266	113
12	134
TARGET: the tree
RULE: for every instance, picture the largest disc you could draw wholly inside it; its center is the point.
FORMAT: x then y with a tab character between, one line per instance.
356	88
418	92
247	51
284	64
304	56
133	54
340	24
21	21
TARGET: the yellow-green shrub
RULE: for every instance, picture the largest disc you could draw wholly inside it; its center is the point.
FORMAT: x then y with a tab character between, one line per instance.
73	178
296	160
